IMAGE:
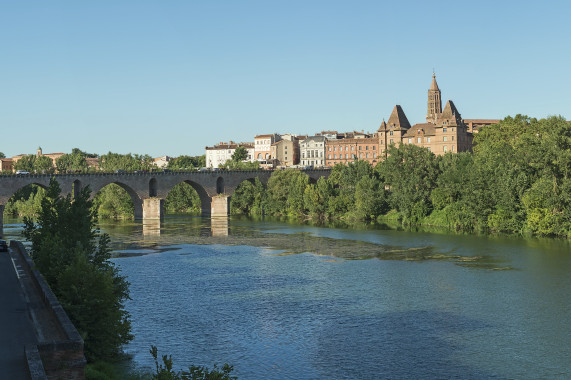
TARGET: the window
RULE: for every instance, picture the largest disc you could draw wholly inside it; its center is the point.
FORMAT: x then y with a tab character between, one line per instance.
391	133
453	148
360	155
352	148
428	139
391	142
334	156
367	155
329	156
452	138
445	148
374	147
360	147
367	147
445	138
346	148
374	155
444	130
419	140
429	149
330	150
410	141
346	155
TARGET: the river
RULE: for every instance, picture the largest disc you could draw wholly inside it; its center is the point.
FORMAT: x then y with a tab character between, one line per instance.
290	301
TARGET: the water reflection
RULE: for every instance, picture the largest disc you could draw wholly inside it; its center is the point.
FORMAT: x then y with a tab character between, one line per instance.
151	228
219	226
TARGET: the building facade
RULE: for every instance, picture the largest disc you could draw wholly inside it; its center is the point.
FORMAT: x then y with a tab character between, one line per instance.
222	152
353	146
285	152
312	151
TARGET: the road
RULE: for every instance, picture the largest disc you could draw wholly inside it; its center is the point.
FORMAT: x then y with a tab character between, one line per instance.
16	328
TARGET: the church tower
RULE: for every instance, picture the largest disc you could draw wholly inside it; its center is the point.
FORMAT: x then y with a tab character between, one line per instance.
434	101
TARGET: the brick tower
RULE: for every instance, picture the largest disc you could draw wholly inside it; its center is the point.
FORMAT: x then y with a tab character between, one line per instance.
434	102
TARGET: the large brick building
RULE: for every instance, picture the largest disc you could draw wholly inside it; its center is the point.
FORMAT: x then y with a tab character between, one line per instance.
444	130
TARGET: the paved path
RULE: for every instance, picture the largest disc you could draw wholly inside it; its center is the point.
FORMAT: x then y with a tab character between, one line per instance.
16	329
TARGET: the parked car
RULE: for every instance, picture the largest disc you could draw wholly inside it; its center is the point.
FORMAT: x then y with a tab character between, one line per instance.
120	171
22	172
3	246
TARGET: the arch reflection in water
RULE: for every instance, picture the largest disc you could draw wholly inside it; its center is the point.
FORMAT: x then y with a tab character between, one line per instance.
219	226
152	227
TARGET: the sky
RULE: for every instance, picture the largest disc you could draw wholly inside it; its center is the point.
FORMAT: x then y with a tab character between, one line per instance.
171	77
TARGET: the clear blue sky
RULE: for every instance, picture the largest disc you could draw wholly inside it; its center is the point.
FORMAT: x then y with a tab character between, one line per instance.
170	77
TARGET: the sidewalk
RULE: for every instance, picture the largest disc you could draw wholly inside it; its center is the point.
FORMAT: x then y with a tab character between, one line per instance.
16	328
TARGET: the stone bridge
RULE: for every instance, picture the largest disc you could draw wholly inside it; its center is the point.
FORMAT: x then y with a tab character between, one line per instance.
149	190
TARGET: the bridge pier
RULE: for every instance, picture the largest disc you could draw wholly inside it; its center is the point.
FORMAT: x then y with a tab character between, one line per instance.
220	206
153	208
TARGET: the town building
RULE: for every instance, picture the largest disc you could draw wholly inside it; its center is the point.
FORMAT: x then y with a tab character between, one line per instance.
444	130
162	162
39	152
6	165
223	151
312	151
263	147
285	152
352	146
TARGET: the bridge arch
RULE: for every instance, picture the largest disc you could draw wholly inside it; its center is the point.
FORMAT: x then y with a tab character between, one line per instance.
202	194
135	198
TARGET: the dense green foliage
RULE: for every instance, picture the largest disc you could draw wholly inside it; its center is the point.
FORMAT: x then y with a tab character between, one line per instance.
182	199
26	202
187	162
74	162
35	164
128	162
113	202
74	259
164	370
517	181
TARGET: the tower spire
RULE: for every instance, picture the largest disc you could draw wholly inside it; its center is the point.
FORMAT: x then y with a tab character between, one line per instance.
434	101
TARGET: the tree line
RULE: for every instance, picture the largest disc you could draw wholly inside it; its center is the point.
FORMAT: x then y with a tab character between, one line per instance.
76	162
516	181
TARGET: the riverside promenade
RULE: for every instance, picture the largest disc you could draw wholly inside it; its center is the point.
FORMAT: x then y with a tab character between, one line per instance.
37	339
16	327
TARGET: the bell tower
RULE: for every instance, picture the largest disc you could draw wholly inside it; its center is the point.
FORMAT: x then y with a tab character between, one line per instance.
434	101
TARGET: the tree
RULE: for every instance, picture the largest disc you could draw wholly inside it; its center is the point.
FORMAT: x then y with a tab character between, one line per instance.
43	165
410	172
76	161
129	162
25	163
240	154
187	162
2	155
164	370
74	259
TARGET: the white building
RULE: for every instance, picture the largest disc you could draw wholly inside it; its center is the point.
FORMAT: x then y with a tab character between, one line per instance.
312	151
222	152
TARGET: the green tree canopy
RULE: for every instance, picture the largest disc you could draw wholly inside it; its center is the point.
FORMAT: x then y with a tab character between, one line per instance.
74	259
